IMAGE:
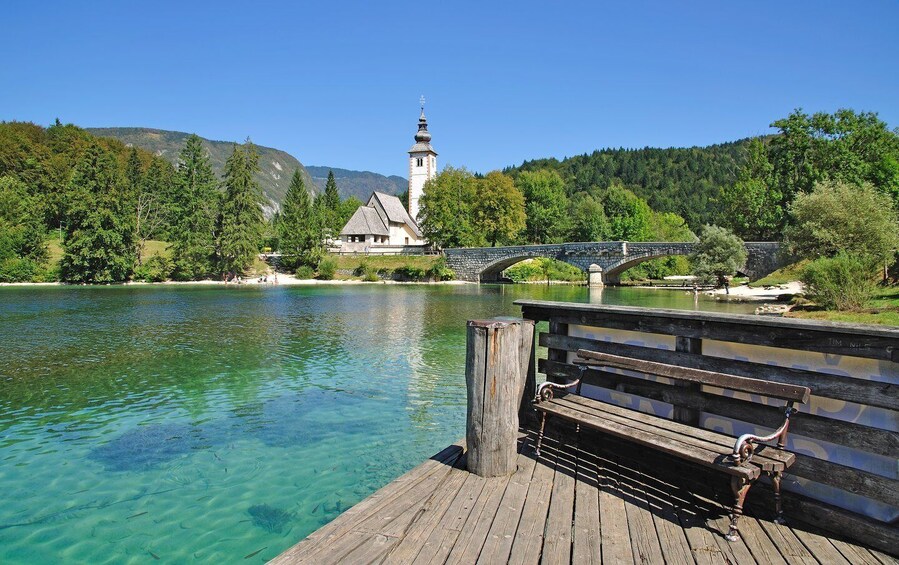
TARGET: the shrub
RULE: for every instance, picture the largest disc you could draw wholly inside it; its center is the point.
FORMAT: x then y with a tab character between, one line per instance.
385	272
327	269
439	271
17	269
370	275
361	269
304	272
155	269
410	272
844	282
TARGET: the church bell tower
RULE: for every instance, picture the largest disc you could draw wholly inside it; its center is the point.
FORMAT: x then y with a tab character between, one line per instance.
422	163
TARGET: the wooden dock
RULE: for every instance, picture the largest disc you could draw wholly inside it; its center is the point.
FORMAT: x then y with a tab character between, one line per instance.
576	504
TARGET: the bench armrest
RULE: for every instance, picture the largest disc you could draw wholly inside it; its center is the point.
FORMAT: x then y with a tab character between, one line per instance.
743	448
545	390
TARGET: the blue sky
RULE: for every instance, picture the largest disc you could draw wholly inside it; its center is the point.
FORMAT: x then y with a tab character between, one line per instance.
337	83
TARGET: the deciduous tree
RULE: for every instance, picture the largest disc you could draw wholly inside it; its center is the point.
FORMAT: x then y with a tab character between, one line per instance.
546	206
718	254
498	209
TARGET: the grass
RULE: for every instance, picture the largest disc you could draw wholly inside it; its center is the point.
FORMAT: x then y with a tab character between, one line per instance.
783	275
384	261
882	310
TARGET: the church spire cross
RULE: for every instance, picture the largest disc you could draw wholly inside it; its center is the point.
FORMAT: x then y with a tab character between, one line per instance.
421	101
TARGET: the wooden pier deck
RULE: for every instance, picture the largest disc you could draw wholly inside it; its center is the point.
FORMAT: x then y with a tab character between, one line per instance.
575	504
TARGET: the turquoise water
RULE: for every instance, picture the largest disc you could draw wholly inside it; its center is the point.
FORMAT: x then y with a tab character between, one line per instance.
205	424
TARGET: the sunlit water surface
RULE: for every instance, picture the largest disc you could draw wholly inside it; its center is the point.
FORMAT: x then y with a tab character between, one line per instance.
209	424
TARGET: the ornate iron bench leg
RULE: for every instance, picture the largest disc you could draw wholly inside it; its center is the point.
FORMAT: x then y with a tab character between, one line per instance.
540	435
740	486
778	508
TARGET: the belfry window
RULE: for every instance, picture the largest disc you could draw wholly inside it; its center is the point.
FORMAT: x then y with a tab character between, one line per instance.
419	162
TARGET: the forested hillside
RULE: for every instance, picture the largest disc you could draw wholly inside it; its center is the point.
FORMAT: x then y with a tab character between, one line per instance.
685	181
358	183
275	166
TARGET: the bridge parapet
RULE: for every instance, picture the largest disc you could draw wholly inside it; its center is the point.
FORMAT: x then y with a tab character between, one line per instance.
485	264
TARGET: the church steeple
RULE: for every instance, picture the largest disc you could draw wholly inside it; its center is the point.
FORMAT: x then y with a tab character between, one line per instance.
422	162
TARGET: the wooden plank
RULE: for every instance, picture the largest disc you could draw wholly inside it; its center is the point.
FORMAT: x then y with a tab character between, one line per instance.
838	387
474	531
616	541
663	444
818	544
586	533
872	440
699	376
323	537
557	535
787	543
499	539
766	458
644	538
660	499
856	481
414	537
856	554
442	539
877	535
528	541
833	338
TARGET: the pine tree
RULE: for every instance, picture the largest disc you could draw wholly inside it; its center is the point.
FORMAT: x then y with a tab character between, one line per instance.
99	235
195	205
298	227
134	171
330	208
241	222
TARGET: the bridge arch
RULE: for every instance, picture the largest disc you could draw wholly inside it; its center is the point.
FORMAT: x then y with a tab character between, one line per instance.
492	272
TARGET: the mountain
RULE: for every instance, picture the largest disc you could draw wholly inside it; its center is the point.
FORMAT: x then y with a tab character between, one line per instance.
276	166
358	183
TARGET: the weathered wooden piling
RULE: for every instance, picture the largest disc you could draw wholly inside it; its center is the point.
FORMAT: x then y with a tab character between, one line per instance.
497	366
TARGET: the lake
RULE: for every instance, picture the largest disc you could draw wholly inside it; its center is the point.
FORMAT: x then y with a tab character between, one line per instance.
203	423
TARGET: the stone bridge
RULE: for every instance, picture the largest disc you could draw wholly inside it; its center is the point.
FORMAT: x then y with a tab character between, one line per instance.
608	258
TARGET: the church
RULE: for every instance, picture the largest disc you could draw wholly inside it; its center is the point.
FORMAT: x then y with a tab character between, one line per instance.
383	225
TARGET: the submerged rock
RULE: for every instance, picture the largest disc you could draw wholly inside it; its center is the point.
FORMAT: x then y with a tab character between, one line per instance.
146	446
269	518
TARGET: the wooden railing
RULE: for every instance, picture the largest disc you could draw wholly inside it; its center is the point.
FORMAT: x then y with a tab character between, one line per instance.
846	439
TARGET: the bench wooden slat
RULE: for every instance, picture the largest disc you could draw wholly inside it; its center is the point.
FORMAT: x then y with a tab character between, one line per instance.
768	458
782	391
667	445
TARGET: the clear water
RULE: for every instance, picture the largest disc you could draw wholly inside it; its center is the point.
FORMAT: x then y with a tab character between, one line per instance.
208	424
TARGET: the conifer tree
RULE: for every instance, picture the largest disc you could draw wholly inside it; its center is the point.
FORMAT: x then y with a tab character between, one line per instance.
241	221
99	235
330	208
195	205
299	227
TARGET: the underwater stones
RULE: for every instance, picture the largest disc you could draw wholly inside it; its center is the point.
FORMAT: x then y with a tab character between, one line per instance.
146	446
269	518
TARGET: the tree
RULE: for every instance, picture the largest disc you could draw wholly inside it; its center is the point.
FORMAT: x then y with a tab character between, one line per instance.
498	209
753	207
629	215
845	146
589	221
546	206
194	205
837	217
298	227
718	254
99	244
445	214
22	243
330	209
241	221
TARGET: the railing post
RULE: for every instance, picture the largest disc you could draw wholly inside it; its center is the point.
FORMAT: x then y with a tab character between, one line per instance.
496	370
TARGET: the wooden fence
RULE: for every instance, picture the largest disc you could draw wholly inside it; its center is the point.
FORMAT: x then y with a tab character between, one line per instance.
846	439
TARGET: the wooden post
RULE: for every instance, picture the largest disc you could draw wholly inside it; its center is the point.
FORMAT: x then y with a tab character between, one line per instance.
495	375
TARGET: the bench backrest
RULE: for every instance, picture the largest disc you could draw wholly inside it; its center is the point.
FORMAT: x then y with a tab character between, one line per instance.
846	439
771	389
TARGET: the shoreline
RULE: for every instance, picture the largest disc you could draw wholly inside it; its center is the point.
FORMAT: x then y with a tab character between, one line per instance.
743	292
283	280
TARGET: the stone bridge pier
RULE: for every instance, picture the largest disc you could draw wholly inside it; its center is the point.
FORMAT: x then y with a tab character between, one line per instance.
604	261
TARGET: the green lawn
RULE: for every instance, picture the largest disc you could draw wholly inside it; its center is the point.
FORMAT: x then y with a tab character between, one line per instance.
784	275
883	310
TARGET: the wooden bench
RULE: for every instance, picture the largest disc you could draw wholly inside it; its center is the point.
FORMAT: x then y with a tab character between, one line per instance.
744	458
